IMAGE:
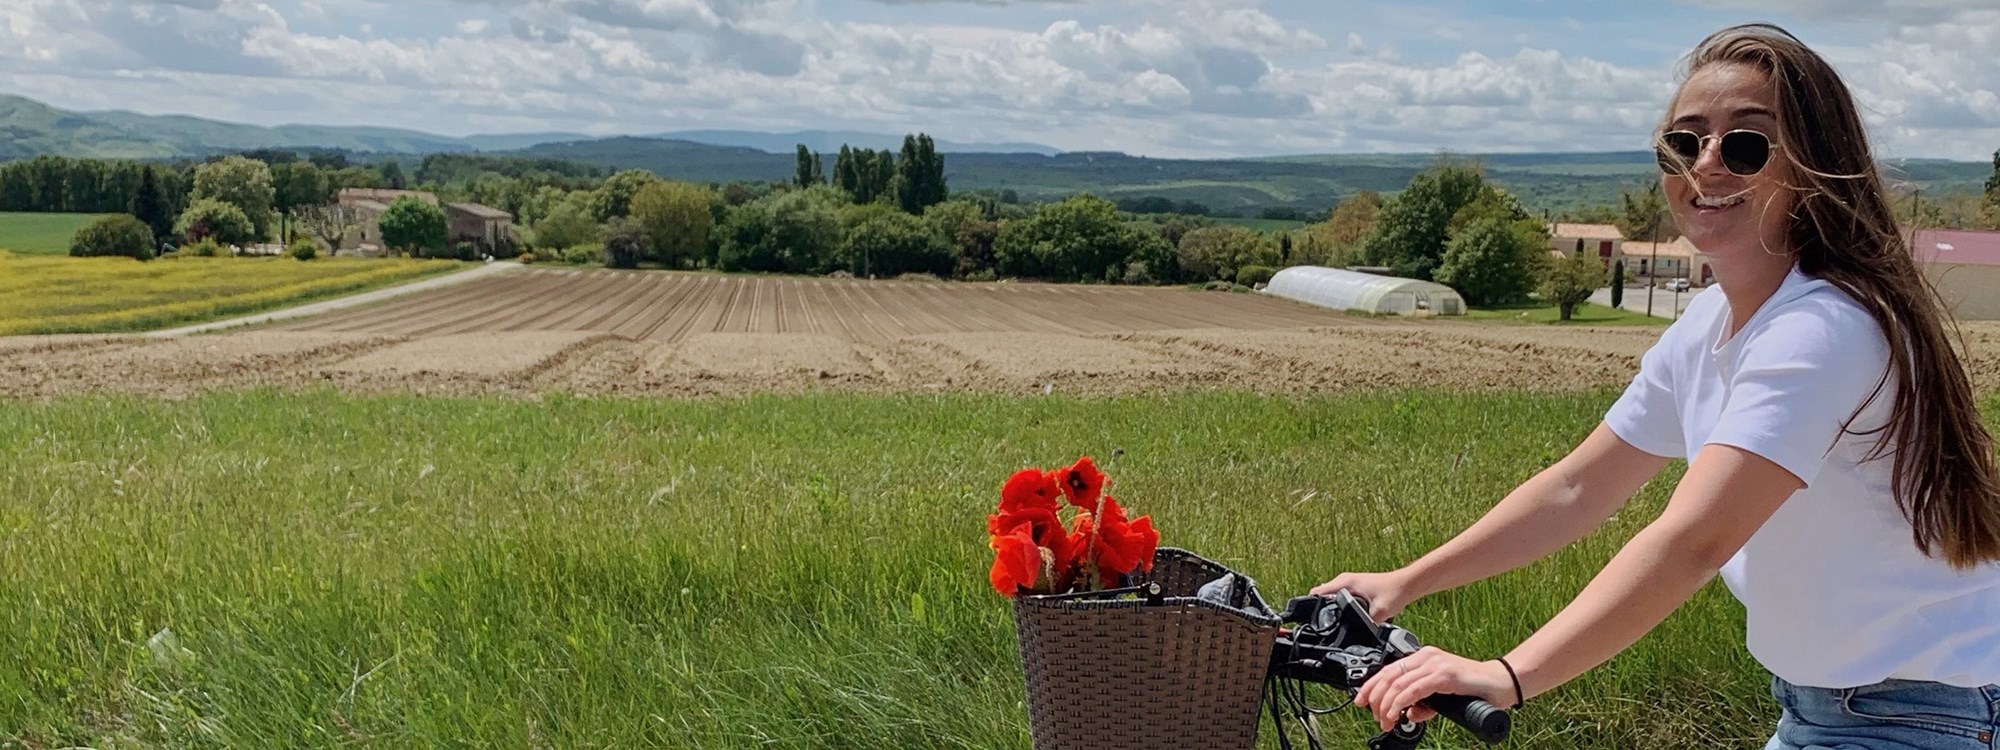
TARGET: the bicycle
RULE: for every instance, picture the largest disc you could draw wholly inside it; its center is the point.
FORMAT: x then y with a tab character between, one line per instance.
1335	643
1189	655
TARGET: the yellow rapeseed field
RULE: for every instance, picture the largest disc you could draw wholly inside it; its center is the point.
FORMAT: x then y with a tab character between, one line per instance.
97	295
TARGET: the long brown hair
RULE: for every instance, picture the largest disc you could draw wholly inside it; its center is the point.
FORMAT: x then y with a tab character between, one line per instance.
1845	233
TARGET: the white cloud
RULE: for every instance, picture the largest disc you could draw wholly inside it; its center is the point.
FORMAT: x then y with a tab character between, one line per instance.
1162	77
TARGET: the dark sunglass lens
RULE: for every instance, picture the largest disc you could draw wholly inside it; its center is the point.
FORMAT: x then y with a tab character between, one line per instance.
1744	152
1678	150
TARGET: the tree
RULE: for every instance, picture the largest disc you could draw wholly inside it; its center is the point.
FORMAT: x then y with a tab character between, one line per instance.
1493	259
1569	281
208	218
414	226
625	243
883	186
240	182
568	224
964	225
893	242
1644	216
1151	258
844	175
920	175
392	173
295	185
1989	216
808	173
328	223
1993	183
1078	239
1215	253
1337	241
1412	230
676	220
867	174
614	197
150	206
115	235
1618	285
792	232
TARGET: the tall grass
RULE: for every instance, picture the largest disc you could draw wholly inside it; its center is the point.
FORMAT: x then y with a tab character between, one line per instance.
312	570
94	295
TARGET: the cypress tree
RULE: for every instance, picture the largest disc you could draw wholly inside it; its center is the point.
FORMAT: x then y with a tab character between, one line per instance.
150	205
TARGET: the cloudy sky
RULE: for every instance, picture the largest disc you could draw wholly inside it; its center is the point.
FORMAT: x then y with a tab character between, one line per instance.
1156	77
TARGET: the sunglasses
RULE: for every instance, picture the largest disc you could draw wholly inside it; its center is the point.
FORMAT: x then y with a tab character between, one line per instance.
1744	152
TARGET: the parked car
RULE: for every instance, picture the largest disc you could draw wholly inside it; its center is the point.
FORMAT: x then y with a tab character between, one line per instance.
1677	285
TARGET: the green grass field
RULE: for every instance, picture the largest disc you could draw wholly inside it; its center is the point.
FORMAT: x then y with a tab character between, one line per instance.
802	572
96	295
1585	314
40	234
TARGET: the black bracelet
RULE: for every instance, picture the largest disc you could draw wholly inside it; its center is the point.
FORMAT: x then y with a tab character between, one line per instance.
1518	700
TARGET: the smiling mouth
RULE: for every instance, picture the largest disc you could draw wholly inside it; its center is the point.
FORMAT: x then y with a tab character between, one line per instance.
1717	203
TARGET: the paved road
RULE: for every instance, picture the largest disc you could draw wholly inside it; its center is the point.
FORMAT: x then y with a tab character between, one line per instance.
1635	300
338	303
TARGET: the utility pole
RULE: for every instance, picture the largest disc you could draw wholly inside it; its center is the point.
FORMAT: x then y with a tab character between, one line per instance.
1653	267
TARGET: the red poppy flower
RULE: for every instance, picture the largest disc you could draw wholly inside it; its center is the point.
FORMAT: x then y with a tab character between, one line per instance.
1042	527
1017	562
1030	488
1123	546
1082	483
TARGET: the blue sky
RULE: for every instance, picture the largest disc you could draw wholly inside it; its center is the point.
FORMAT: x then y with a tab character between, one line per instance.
1200	78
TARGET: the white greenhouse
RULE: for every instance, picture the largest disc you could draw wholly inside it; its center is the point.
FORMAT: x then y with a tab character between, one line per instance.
1353	290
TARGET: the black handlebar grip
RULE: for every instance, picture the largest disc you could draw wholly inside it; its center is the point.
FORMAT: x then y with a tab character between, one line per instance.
1484	720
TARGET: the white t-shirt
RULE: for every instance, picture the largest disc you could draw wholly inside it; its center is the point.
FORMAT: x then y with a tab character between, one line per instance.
1835	591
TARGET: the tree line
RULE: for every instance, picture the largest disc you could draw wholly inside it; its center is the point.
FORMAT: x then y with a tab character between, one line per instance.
874	213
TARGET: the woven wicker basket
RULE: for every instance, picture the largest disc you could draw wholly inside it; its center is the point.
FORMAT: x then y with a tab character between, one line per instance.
1107	673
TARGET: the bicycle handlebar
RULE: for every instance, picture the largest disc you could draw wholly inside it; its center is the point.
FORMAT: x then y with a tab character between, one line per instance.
1338	644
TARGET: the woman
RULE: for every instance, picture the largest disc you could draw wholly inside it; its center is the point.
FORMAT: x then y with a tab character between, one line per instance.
1838	480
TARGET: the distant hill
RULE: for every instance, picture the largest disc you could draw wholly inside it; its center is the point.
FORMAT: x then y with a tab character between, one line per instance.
29	128
519	140
830	141
1308	183
680	160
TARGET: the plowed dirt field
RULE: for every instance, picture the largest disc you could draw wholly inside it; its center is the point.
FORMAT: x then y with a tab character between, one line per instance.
655	333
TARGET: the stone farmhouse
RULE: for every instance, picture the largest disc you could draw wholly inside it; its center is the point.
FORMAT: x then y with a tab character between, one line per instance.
484	226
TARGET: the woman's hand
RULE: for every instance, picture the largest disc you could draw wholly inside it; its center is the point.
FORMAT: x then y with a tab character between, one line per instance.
1431	671
1387	593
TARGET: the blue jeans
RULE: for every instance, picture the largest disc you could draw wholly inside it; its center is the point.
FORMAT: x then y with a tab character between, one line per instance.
1889	715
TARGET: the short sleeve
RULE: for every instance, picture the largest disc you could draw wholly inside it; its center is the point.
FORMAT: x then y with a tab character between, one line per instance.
1797	381
1648	415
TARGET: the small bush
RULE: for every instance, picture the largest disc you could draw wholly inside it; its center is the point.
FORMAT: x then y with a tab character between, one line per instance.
208	218
983	274
206	248
917	277
526	258
583	255
304	249
119	235
1253	275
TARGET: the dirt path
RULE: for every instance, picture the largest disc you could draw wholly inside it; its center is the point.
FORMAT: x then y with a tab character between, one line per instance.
341	303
